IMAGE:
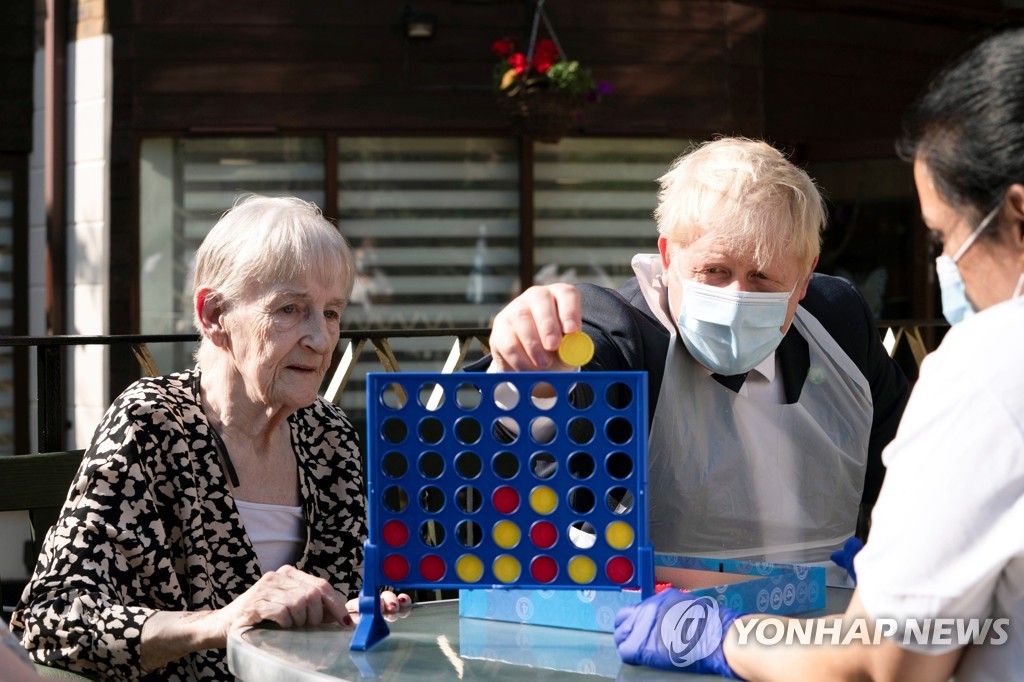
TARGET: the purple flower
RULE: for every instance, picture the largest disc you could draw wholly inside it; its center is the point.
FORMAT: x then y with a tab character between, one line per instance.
600	88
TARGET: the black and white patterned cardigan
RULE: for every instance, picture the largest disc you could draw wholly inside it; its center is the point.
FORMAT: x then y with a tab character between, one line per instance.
150	524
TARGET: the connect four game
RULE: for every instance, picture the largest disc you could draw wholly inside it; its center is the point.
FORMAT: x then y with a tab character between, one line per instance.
519	480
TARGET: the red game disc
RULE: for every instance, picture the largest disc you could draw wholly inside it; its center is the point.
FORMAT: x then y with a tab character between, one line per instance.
432	568
395	567
394	533
505	499
543	535
619	569
543	569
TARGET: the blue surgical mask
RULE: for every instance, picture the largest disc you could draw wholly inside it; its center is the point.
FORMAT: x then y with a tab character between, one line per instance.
956	307
731	332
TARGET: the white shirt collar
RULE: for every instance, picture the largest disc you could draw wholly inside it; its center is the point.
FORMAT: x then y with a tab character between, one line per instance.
767	368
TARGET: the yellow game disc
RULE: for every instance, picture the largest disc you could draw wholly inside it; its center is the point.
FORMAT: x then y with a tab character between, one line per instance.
543	499
619	535
576	349
582	569
506	568
469	568
506	534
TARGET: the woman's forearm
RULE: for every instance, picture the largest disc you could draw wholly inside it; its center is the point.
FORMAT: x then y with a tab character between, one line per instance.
753	660
836	654
169	635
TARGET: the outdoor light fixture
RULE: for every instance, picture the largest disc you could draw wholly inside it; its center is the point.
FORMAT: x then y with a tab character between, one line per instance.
418	24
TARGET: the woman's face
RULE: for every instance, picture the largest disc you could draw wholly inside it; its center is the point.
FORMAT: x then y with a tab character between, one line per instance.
281	337
990	267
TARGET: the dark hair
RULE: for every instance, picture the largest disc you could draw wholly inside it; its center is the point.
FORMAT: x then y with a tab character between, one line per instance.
968	125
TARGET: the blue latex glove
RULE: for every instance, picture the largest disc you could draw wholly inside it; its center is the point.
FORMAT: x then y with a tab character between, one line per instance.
673	631
844	557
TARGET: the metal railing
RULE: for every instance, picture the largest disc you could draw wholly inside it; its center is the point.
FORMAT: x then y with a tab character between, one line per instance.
50	361
912	333
50	358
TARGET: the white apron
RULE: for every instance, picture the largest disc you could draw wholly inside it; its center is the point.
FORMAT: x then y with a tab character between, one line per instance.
732	477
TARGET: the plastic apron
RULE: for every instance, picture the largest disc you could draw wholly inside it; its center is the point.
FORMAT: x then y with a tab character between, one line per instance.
732	477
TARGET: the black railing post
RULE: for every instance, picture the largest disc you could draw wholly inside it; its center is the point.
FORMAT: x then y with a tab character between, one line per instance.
50	374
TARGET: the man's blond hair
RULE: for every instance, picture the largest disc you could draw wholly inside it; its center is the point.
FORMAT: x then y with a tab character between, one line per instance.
746	194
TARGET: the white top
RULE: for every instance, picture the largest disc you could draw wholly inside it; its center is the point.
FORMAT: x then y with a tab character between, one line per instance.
947	536
277	532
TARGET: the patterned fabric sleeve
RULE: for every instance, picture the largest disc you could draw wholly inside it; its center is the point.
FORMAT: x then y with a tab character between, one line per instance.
331	456
83	609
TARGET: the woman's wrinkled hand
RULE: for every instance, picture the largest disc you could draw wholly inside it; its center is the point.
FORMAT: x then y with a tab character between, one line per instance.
392	606
287	597
525	335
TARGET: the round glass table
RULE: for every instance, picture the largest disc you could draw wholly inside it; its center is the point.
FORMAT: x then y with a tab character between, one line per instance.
433	642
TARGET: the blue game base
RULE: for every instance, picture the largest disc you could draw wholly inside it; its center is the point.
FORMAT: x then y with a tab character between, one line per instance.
743	586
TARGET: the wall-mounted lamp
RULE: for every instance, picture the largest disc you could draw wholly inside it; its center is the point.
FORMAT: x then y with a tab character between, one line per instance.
418	24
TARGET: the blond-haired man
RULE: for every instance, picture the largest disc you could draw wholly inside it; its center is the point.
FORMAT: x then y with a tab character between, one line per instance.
770	394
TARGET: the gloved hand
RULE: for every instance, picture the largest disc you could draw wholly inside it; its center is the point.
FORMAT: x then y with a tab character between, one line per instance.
673	631
844	557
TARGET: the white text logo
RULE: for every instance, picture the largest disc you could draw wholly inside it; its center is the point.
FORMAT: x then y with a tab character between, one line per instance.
836	631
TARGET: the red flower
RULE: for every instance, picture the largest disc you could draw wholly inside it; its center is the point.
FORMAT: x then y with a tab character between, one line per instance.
518	62
541	64
546	48
503	47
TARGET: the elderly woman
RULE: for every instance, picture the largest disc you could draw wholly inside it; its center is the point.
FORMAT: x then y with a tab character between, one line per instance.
941	580
221	496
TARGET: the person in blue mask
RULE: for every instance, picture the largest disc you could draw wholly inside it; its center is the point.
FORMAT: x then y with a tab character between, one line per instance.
770	394
955	306
940	581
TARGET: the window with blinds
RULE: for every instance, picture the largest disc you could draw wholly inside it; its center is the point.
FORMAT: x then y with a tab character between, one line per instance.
7	364
433	222
434	225
186	184
594	201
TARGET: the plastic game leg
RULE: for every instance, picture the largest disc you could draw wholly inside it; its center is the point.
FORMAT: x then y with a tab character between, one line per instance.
645	558
371	627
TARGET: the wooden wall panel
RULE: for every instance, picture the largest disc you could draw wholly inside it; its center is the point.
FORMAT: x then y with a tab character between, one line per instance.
342	66
496	14
839	79
384	80
17	48
823	72
450	44
827	78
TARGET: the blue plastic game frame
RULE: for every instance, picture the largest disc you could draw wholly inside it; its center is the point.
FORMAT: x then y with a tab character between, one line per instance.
413	418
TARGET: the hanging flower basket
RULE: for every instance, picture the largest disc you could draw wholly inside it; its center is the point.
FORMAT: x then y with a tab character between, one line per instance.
541	91
545	115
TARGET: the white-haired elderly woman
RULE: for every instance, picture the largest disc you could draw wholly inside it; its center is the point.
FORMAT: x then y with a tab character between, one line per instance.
770	394
222	496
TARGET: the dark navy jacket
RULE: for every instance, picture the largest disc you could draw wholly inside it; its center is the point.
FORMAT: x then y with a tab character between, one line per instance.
627	336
